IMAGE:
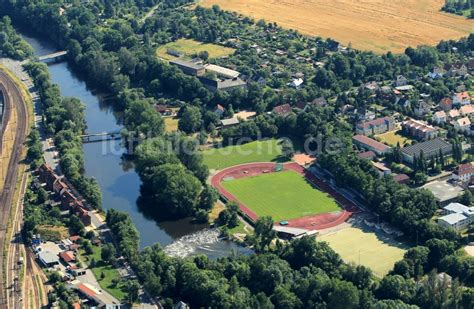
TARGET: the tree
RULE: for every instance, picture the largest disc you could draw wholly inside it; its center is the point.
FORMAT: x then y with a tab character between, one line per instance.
264	233
287	149
107	253
466	198
191	119
344	295
132	288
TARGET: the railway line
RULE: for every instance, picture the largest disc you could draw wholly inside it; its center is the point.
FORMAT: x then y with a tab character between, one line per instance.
13	99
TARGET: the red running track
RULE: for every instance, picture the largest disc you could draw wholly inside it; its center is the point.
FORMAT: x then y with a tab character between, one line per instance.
314	222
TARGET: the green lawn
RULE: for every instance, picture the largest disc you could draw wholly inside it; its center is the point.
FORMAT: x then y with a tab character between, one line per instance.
392	138
258	151
282	195
372	249
190	47
109	272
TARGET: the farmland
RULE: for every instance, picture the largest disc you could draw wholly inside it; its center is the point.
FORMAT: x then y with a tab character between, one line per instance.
282	195
257	151
191	47
380	26
371	249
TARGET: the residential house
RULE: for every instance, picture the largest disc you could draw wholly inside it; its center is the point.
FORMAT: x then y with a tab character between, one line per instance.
422	108
370	155
163	110
372	86
401	81
455	69
59	187
365	115
282	110
470	66
419	129
381	169
462	98
370	144
437	72
430	149
446	104
440	117
463	172
405	88
227	123
462	125
466	110
296	83
189	67
402	179
457	216
67	256
453	114
219	111
376	126
48	176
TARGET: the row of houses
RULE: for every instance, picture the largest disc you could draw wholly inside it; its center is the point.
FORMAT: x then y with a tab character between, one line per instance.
64	193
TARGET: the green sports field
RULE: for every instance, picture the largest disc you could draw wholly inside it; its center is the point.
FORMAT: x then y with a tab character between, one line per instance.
369	248
283	195
257	151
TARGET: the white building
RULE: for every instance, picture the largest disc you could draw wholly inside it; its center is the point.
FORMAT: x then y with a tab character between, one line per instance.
457	216
440	117
296	83
463	172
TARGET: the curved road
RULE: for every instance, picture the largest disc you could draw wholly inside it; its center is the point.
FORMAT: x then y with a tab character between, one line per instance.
12	96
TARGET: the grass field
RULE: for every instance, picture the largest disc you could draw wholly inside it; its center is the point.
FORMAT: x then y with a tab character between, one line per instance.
379	26
284	195
392	138
190	47
375	250
171	124
109	272
257	151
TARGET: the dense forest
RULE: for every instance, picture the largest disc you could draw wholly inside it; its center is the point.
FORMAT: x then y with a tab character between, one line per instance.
460	7
11	44
108	43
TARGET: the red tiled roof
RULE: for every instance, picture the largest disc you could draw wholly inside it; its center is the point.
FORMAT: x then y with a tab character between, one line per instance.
367	155
401	177
67	256
282	109
74	238
371	142
85	290
375	122
446	101
464	169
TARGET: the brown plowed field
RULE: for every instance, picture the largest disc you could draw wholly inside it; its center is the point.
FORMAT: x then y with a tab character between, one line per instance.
377	25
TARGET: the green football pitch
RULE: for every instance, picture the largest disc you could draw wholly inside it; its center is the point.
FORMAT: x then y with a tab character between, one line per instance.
282	195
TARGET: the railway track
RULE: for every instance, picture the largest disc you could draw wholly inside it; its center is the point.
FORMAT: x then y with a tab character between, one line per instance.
12	96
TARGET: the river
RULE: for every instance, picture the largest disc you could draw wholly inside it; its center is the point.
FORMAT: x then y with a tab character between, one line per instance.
116	176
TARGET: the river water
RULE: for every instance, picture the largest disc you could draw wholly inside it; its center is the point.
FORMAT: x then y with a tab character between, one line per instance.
116	176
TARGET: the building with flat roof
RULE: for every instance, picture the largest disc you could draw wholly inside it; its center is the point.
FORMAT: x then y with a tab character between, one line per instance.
224	84
48	258
370	144
189	67
221	71
430	149
444	191
229	122
457	216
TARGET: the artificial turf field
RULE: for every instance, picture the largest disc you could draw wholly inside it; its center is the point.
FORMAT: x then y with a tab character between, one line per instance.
282	195
256	151
371	248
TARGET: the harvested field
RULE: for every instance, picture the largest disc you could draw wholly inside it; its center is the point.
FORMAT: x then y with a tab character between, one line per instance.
377	25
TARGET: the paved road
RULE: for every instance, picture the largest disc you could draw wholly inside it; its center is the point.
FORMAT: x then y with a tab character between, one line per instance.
13	98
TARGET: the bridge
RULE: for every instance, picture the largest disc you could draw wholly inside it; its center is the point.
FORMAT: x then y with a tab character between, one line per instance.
99	137
57	56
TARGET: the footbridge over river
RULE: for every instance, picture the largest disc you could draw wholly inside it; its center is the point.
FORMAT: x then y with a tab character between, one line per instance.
54	57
